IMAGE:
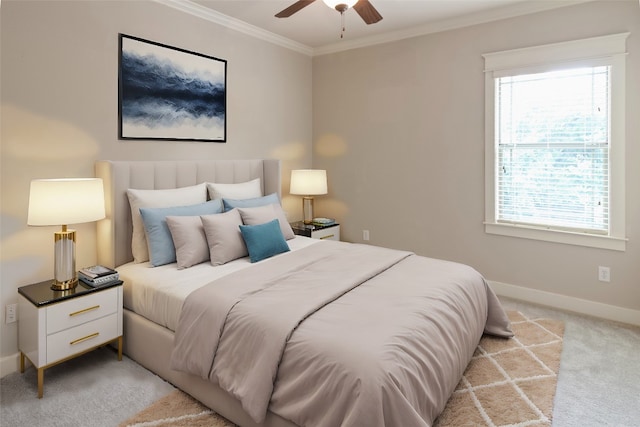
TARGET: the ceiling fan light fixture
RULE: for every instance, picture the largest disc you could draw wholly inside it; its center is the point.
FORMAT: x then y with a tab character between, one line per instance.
339	5
364	8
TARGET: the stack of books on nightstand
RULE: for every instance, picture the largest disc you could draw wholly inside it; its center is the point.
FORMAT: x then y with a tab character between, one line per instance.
98	275
323	222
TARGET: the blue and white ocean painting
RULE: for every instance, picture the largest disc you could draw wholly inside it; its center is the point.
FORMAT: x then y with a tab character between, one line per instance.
166	93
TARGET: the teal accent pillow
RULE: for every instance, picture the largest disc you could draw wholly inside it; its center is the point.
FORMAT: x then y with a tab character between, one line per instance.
161	248
250	203
264	240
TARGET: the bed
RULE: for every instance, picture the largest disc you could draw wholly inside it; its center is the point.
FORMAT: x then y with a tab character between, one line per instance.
322	333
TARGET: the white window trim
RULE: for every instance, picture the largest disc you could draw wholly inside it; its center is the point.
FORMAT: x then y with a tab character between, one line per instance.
611	49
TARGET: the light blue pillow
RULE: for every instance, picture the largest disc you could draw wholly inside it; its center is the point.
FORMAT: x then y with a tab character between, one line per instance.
250	203
161	248
264	240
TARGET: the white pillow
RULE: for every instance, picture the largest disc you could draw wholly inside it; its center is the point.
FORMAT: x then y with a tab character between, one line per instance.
262	214
158	199
243	190
189	239
224	237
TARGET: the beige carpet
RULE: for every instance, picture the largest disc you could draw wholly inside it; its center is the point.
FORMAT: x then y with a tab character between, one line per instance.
508	382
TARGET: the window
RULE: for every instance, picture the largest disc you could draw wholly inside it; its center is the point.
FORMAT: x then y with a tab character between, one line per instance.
555	142
552	139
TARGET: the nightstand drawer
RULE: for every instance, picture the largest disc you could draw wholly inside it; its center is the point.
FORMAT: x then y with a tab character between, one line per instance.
315	231
77	311
329	233
82	337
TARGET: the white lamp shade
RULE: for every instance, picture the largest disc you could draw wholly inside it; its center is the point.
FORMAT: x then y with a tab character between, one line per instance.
333	3
308	182
65	201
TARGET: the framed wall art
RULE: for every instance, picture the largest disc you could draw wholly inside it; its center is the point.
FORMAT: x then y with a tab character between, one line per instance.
172	94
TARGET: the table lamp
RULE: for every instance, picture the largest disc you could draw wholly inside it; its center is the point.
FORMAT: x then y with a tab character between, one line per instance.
63	202
308	183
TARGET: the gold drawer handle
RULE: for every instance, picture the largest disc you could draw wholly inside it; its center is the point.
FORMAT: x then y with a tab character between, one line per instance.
327	237
88	337
95	307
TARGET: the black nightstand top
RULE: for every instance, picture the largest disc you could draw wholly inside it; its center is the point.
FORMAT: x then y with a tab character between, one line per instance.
302	229
301	226
41	294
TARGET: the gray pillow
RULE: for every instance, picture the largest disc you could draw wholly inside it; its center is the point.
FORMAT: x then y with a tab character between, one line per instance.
262	214
189	239
224	237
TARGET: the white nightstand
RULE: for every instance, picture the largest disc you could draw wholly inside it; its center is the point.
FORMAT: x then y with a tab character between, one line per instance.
55	326
326	232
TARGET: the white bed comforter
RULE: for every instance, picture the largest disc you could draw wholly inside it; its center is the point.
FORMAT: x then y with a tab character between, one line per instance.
157	293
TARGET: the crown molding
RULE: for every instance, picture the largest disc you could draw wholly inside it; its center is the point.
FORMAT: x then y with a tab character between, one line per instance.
517	9
211	15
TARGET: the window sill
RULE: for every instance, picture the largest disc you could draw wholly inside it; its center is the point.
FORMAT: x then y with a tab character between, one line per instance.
557	236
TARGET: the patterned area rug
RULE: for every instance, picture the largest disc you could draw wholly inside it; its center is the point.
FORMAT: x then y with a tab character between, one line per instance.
507	383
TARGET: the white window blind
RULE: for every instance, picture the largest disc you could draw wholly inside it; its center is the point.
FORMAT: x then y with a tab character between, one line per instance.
552	136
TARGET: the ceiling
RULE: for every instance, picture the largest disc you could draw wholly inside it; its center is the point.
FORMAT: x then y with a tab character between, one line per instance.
316	28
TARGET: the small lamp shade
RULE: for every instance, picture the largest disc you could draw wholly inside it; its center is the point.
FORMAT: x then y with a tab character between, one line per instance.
308	183
63	202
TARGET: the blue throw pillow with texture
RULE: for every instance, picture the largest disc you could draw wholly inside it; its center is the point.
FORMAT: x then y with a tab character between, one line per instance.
264	240
161	248
250	203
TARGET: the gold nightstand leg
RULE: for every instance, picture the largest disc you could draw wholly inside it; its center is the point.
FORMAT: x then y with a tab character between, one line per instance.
120	348
21	362
40	382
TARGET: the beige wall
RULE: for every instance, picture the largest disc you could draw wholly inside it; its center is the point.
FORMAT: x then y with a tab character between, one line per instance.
400	129
59	111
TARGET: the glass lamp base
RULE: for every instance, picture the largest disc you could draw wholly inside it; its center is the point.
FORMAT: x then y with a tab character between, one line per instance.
307	209
65	276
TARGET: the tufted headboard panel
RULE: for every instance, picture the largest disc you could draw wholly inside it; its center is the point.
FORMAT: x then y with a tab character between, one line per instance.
114	232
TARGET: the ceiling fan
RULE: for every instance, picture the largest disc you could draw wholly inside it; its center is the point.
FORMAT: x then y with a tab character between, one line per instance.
365	9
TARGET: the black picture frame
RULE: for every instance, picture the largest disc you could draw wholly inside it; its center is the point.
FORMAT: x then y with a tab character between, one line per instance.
170	94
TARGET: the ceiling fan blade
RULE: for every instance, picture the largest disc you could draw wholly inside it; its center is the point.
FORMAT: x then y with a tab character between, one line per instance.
293	8
367	12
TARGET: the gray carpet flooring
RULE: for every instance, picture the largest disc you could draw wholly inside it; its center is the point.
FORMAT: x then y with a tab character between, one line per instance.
598	383
91	390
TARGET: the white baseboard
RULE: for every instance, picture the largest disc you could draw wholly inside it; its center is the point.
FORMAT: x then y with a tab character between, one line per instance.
9	364
563	302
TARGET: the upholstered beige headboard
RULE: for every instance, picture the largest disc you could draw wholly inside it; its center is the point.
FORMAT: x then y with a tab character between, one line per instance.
114	232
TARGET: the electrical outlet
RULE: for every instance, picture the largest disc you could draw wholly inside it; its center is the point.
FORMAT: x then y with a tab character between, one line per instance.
604	274
11	313
365	235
